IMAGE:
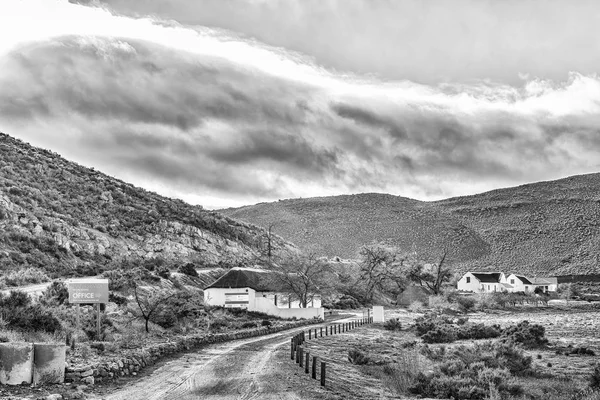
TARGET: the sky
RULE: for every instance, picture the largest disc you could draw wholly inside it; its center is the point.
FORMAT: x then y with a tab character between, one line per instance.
231	102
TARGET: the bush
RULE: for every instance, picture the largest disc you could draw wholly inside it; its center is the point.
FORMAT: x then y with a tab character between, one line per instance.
25	276
188	269
595	377
19	313
416	307
392	324
529	335
470	372
358	357
346	302
466	303
440	334
437	329
266	322
55	295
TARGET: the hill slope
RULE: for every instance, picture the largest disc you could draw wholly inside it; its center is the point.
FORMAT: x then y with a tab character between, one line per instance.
541	228
68	219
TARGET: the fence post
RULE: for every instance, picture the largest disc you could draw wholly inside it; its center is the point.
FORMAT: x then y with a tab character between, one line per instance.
322	373
309	334
306	362
292	349
300	359
297	354
321	331
314	368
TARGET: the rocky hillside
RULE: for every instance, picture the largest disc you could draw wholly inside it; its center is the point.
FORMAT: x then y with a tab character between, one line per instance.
67	219
541	228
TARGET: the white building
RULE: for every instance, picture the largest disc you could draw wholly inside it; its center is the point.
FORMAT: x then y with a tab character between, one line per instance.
255	290
488	282
526	284
482	282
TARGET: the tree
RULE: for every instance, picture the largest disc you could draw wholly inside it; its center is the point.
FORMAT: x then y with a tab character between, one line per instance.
150	304
431	278
302	276
381	269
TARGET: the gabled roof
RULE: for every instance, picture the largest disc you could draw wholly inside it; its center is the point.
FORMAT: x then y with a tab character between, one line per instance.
543	281
254	278
524	280
487	277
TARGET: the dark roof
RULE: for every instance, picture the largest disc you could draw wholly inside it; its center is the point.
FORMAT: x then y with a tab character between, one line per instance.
524	280
259	280
487	277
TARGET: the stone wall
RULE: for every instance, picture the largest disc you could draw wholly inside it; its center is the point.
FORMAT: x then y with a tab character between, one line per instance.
136	360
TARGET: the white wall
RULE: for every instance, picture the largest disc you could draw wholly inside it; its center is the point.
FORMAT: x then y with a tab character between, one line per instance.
472	286
283	300
262	304
221	296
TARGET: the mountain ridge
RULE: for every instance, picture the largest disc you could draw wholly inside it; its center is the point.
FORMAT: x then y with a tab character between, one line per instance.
67	219
539	228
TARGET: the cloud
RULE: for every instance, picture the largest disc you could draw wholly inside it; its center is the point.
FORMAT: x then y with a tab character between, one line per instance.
222	120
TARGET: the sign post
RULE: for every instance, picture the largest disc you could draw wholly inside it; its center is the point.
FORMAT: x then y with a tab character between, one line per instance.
88	291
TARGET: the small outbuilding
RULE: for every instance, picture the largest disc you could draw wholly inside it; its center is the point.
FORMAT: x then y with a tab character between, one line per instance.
258	290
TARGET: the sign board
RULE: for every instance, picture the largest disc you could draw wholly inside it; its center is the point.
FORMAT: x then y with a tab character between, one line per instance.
236	300
88	290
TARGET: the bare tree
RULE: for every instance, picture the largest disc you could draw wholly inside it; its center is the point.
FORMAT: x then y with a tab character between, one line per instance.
151	304
381	269
434	278
302	276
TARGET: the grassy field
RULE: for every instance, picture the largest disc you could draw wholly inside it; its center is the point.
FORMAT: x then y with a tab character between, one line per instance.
389	361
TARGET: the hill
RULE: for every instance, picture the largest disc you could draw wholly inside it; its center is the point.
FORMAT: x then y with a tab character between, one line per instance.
67	220
541	228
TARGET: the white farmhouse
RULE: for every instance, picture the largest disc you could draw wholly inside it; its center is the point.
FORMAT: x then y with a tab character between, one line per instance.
520	283
255	290
526	284
482	282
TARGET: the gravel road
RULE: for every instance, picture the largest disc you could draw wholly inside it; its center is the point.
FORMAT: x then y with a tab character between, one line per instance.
255	368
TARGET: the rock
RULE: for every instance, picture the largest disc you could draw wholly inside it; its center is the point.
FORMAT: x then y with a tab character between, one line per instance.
54	396
86	373
88	380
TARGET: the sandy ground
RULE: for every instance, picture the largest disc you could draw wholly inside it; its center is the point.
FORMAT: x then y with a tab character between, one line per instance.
255	368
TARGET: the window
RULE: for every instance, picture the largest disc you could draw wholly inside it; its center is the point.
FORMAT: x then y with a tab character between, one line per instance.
527	288
468	279
512	281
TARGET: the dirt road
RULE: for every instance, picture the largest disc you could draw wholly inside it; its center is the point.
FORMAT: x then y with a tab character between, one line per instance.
255	368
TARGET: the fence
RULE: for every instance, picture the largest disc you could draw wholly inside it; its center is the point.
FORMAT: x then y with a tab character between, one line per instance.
311	363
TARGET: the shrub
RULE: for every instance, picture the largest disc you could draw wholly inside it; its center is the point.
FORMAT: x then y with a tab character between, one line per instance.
55	295
469	372
466	303
25	276
440	334
436	329
266	322
117	299
595	377
393	324
188	269
358	357
416	307
529	335
249	324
